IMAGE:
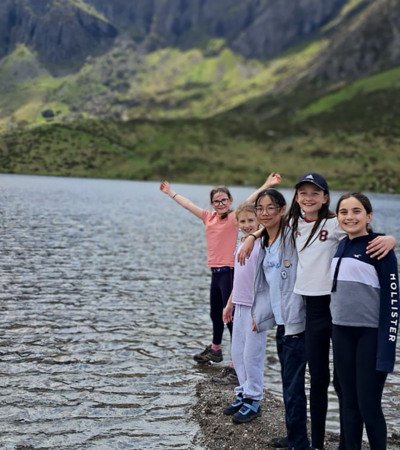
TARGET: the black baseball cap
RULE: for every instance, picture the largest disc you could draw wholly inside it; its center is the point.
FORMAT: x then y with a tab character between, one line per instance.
314	178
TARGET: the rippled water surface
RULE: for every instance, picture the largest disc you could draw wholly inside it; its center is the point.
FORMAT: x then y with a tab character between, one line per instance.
104	300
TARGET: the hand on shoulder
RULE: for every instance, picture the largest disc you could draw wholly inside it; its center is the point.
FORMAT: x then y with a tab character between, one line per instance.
381	246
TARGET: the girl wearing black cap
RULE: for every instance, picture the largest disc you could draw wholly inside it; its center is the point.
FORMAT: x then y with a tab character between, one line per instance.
316	235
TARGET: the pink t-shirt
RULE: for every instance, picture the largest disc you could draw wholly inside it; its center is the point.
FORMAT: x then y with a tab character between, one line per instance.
221	235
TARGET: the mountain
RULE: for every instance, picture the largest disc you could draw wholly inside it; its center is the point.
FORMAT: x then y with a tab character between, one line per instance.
147	58
183	88
369	44
179	58
252	28
64	33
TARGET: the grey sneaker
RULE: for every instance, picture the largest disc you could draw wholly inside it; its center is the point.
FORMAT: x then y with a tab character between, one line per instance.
208	355
227	376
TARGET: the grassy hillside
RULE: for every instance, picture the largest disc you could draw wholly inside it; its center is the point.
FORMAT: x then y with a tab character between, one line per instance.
124	114
351	135
125	84
385	81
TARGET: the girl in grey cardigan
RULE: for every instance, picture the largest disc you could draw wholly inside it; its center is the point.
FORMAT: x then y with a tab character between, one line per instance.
276	303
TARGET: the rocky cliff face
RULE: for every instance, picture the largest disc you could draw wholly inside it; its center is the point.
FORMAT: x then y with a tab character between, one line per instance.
371	43
255	28
61	33
40	39
64	33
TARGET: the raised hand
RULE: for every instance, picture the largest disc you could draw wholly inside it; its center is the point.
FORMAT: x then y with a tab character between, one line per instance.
273	179
165	187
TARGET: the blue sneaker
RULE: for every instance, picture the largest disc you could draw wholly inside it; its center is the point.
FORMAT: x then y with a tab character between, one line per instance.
234	407
249	411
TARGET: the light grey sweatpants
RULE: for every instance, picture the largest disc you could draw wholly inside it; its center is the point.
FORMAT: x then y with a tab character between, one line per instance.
248	354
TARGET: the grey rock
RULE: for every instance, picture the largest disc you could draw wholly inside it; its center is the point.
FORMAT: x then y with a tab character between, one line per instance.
60	32
64	33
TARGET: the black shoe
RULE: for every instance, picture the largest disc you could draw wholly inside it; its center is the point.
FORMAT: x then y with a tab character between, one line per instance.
208	355
302	448
279	442
227	376
234	407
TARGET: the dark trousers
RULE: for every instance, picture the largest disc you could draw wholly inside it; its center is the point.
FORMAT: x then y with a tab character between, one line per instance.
292	356
220	290
354	352
318	337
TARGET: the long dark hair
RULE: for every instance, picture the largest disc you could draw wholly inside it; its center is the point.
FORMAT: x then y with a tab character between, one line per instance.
279	201
362	198
294	214
226	191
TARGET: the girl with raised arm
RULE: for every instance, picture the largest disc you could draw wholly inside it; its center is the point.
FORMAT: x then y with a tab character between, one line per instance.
221	230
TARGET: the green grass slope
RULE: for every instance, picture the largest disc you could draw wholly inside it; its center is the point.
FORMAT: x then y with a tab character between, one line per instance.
126	84
125	114
354	141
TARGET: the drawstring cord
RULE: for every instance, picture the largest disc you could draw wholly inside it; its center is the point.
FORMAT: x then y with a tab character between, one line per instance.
336	273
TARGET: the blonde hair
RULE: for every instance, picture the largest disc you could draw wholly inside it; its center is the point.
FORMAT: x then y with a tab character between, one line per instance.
245	207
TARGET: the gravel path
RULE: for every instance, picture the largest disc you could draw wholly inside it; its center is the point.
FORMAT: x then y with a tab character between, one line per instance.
219	432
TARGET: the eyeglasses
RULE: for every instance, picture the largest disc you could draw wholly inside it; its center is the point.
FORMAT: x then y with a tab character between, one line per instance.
223	202
270	210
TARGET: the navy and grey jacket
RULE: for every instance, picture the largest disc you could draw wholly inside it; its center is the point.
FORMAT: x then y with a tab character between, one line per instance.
293	308
365	293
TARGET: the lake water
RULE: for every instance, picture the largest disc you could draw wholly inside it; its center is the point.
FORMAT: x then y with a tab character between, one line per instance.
104	300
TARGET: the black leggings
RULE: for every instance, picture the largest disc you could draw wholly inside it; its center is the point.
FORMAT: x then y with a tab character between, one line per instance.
291	353
317	341
220	290
354	351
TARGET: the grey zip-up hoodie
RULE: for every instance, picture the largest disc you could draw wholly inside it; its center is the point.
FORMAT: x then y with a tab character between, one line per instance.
293	307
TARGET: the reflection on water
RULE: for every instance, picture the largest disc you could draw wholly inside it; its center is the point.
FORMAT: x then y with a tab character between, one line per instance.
104	300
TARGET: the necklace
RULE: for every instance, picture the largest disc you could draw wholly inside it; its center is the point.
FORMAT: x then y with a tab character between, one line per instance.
271	240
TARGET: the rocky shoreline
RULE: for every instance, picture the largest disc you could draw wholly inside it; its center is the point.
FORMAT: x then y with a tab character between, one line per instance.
219	432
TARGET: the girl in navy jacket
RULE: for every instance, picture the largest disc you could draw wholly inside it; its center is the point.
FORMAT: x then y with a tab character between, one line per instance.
364	310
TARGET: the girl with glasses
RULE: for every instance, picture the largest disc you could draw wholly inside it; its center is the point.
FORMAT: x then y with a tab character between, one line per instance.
221	230
275	303
315	234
